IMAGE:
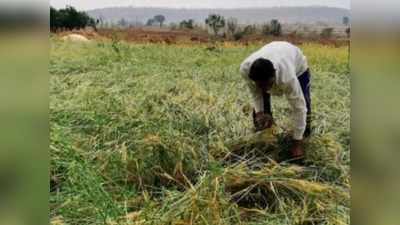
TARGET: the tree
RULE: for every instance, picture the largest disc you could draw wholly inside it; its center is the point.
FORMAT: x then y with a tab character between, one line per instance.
276	28
150	22
346	20
69	18
54	19
216	22
159	19
187	24
232	24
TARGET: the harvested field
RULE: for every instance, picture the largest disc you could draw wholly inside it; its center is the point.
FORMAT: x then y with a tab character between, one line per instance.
155	133
168	36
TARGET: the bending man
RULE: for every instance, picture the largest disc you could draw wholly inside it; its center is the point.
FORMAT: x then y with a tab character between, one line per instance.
280	68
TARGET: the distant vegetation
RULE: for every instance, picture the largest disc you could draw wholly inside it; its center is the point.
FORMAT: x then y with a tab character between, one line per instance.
188	24
348	32
215	22
305	15
232	25
159	19
346	21
122	23
327	32
150	22
69	18
276	28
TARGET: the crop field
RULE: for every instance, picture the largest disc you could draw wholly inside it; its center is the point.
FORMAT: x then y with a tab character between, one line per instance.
156	134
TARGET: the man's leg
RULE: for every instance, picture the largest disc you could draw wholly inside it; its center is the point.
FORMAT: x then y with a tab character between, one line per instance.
305	83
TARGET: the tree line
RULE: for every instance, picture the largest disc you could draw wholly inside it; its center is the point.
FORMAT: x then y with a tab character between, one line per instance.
218	23
70	18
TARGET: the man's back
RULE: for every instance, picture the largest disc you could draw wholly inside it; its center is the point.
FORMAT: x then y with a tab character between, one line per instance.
288	60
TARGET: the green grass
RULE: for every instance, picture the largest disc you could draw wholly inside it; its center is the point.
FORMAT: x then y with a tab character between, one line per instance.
139	133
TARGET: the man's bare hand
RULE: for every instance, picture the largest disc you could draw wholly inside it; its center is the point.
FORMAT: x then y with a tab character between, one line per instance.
263	121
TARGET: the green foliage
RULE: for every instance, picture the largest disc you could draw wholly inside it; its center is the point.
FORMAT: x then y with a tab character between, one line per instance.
69	18
140	134
216	22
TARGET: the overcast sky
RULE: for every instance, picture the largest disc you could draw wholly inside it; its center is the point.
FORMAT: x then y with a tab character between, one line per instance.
93	4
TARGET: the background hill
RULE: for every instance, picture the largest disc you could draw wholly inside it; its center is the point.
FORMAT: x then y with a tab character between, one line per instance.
305	15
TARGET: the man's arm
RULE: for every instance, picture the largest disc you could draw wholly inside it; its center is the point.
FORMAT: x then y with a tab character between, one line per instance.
256	93
296	99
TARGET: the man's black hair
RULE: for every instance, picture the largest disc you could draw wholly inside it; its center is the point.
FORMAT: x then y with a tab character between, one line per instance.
261	70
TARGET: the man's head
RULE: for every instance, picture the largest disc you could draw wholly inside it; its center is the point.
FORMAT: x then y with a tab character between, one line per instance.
262	72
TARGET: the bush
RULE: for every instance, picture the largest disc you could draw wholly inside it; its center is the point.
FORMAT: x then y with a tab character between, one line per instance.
150	22
327	32
238	35
247	30
250	29
69	18
188	24
276	28
266	29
